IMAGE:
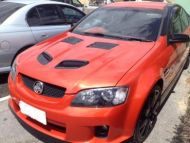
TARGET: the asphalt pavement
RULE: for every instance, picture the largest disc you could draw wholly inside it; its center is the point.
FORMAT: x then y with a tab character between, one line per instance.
11	130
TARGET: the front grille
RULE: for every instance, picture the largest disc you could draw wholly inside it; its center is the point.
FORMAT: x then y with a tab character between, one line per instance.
49	89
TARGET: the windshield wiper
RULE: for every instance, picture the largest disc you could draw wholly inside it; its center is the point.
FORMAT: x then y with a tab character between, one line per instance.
138	39
117	37
105	35
94	34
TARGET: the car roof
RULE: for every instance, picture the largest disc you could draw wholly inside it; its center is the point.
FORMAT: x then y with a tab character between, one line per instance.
150	5
27	2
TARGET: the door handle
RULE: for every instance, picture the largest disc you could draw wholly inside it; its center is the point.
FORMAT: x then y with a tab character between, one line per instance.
44	36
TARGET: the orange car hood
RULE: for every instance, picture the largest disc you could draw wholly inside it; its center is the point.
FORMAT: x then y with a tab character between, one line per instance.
106	66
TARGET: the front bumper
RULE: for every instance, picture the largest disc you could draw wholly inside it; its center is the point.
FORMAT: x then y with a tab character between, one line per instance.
72	124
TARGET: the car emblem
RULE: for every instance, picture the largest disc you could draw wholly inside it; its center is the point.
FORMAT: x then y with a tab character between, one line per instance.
38	87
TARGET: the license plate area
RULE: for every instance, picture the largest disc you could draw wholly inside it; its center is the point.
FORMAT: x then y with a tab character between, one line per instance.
33	112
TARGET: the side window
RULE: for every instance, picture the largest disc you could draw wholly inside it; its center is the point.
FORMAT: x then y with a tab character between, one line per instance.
184	20
49	15
71	15
33	18
176	22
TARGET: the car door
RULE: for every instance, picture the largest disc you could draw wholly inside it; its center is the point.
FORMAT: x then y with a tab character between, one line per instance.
174	27
184	50
46	21
180	26
170	53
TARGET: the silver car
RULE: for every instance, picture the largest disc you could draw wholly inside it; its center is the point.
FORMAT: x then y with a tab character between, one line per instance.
24	23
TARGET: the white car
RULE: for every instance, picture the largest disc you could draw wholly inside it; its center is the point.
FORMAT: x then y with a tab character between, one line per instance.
24	23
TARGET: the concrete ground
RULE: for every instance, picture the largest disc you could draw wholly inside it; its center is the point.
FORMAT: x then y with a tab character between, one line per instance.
12	132
174	109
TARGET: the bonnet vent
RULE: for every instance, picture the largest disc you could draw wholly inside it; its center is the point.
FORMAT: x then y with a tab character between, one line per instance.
72	40
44	58
102	45
72	64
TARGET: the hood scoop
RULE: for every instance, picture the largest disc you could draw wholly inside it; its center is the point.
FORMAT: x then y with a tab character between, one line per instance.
72	64
102	45
44	58
72	40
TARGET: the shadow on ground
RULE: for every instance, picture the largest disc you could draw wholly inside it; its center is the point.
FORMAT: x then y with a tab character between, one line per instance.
182	131
3	78
3	85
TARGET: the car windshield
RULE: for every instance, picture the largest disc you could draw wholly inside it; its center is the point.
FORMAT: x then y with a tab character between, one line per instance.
7	9
122	23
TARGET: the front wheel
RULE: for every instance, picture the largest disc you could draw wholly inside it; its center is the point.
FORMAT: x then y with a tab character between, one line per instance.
148	116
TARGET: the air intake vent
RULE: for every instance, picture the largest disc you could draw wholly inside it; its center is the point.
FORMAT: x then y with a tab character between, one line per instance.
102	45
72	40
72	64
44	58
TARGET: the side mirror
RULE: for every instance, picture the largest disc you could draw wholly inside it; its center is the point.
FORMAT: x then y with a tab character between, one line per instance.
179	38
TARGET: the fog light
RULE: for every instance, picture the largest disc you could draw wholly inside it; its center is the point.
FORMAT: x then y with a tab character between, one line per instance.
101	131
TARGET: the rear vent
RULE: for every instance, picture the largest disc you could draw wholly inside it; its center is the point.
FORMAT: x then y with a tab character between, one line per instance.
44	58
72	40
102	45
72	64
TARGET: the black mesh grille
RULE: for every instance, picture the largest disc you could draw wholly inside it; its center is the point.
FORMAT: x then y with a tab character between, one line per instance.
49	89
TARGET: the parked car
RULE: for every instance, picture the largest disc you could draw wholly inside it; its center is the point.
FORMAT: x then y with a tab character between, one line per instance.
27	22
75	3
106	79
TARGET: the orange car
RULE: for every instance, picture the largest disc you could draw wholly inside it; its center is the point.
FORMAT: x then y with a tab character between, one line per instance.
107	78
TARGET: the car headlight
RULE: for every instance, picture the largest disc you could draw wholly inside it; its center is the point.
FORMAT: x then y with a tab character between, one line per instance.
101	97
13	72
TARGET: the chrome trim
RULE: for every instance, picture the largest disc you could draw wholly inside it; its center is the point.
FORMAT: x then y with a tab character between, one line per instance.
5	69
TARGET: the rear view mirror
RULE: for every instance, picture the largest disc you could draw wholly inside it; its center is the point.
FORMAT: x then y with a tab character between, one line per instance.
179	38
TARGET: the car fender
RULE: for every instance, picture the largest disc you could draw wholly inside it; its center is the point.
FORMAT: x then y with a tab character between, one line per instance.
16	40
138	93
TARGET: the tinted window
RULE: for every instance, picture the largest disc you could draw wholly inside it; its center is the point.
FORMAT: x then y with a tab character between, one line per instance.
123	22
49	15
7	9
184	20
176	21
71	15
33	18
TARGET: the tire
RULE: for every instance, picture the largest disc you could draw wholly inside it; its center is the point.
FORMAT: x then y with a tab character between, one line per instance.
148	116
187	63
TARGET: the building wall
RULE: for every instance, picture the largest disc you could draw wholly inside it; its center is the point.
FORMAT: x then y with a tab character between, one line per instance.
185	4
85	2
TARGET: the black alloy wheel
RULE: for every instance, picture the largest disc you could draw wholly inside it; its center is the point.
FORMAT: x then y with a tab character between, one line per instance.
148	116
